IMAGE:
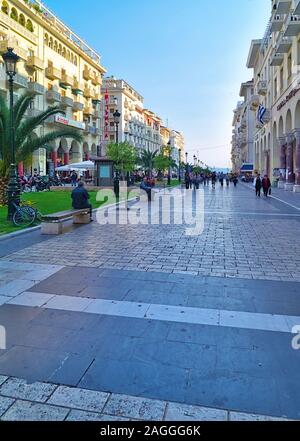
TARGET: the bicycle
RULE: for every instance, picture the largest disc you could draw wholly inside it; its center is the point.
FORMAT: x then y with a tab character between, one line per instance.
25	216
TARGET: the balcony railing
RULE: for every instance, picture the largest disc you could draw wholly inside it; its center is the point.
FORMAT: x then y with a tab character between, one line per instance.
88	93
20	82
53	96
67	80
97	80
78	87
277	22
66	101
52	73
276	59
283	6
254	102
284	45
87	74
292	27
36	88
34	62
12	42
88	111
77	106
262	87
32	113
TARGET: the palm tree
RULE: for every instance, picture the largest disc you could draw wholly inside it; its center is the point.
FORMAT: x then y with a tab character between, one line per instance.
147	160
25	144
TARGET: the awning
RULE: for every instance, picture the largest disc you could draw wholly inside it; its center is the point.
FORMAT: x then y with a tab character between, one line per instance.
247	168
83	166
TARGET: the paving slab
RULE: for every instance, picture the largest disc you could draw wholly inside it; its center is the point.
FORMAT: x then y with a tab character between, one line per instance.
132	407
79	399
28	411
21	389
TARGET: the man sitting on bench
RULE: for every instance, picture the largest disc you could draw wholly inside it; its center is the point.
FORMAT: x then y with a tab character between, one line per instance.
80	199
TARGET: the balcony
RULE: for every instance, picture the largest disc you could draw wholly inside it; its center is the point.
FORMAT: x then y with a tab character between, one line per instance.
254	102
52	73
12	42
267	116
292	28
97	98
32	113
92	130
36	88
284	45
87	75
97	80
89	111
297	7
97	114
66	102
66	81
34	62
276	59
88	93
77	106
78	88
262	87
277	22
283	6
53	96
20	82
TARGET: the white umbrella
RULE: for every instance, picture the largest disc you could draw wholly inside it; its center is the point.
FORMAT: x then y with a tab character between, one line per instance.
85	165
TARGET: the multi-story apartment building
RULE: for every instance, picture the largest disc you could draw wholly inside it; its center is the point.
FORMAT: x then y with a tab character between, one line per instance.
61	69
138	125
243	131
275	60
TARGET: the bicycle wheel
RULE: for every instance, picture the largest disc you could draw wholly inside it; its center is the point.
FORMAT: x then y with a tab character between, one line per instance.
24	217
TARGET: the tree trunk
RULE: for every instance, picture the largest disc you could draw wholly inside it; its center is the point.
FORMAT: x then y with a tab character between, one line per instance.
3	191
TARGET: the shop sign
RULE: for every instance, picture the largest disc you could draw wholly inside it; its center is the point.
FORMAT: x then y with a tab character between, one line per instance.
292	93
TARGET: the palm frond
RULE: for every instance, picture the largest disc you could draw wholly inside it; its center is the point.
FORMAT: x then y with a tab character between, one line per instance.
21	107
31	145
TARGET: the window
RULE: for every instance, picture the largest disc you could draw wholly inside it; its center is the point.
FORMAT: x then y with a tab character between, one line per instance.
14	14
5	8
275	88
22	20
29	26
281	79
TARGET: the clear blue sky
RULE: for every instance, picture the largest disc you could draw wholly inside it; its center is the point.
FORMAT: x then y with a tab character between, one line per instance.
186	57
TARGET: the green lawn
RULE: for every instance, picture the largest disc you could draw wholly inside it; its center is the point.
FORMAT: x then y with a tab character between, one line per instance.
49	202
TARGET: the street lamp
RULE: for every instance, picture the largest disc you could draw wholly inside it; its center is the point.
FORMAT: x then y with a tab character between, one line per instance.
169	172
179	168
117	118
13	190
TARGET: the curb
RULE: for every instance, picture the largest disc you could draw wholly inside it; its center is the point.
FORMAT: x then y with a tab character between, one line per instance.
38	227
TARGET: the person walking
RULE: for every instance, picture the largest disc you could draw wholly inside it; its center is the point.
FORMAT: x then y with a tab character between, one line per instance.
214	180
266	184
221	179
227	179
187	180
74	178
80	199
258	186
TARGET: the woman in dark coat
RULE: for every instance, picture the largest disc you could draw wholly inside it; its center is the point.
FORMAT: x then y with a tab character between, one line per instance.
258	185
266	184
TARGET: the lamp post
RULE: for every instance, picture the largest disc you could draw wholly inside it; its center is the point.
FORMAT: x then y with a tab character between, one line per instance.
13	190
117	117
179	168
169	172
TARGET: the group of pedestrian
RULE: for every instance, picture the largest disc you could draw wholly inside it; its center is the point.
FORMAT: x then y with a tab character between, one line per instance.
262	184
194	180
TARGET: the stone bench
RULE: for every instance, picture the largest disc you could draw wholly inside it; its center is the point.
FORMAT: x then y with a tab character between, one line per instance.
53	223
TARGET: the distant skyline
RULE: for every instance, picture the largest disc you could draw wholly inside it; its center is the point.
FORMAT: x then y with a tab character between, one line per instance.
187	58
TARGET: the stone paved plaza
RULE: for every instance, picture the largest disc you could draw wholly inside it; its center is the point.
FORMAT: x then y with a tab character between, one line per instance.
144	322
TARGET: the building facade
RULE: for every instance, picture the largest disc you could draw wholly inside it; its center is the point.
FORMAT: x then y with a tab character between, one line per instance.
242	153
138	126
275	60
61	69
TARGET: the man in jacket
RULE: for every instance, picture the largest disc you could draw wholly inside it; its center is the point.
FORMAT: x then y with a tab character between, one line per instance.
80	199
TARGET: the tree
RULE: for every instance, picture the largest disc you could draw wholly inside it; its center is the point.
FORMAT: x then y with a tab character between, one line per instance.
147	161
124	156
164	160
25	144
